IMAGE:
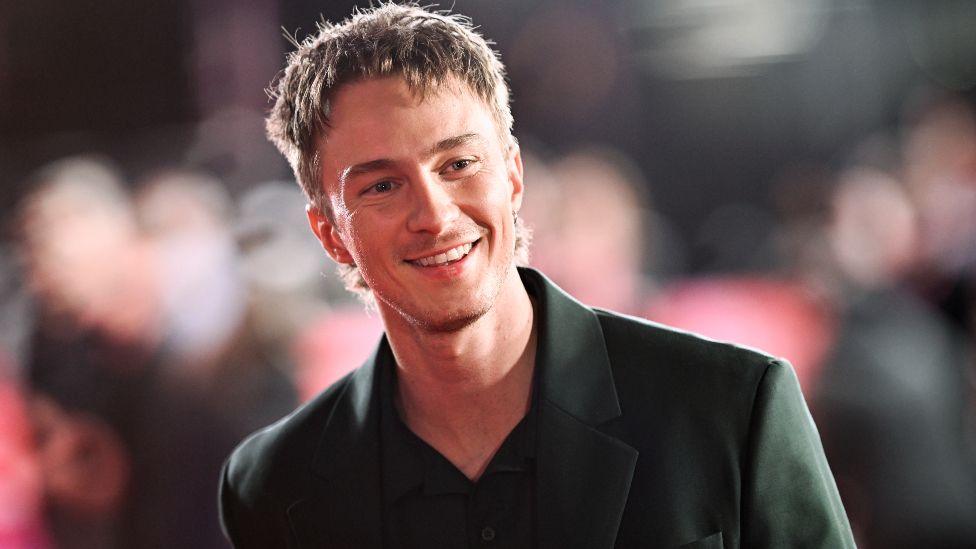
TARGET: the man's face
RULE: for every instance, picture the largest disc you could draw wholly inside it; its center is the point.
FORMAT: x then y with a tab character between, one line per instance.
422	193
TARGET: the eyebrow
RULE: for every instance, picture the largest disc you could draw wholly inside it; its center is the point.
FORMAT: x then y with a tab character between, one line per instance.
386	163
453	142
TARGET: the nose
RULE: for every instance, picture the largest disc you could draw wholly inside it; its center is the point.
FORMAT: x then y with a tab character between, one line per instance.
434	209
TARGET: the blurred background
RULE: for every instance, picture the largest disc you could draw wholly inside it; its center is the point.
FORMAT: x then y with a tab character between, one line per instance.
795	175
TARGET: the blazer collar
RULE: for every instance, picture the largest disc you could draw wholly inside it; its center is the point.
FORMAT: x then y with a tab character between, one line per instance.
583	475
572	354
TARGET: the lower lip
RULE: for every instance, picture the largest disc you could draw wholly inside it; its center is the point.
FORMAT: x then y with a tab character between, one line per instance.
450	270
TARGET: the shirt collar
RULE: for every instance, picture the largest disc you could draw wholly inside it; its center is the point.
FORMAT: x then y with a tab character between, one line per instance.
402	463
409	463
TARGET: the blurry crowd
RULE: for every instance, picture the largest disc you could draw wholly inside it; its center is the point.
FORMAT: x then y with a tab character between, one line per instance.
140	360
149	325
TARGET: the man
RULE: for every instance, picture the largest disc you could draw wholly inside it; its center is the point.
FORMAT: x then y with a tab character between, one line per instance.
496	410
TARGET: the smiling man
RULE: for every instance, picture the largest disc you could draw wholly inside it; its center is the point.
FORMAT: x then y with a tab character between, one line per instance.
496	410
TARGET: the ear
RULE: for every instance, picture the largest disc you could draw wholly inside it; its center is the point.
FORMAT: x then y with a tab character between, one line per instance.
514	165
325	230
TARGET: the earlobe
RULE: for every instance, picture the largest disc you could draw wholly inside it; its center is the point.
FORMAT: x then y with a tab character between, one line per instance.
325	230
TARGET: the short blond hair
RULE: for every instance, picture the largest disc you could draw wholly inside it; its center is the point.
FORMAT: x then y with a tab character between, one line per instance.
423	47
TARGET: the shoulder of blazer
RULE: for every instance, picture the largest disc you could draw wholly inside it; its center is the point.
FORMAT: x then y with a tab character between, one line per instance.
632	339
658	369
275	462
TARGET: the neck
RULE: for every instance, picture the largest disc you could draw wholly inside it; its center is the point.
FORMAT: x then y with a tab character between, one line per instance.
463	391
472	360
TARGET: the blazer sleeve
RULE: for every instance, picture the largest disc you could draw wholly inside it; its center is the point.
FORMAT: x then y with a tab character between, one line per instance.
789	495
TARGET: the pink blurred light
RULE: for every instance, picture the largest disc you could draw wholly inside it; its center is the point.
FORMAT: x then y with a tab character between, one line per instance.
332	347
775	316
21	486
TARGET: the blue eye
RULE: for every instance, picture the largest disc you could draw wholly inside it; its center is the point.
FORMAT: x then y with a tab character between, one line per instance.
459	165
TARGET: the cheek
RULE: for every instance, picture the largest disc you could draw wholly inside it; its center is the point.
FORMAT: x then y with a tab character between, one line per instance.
491	197
370	237
362	246
359	227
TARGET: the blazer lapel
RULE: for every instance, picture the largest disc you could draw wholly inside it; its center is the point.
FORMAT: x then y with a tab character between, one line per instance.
583	480
583	475
345	509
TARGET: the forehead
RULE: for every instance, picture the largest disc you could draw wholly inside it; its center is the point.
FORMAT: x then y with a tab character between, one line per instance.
382	118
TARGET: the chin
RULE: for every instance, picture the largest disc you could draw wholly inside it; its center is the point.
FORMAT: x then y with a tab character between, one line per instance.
448	312
445	325
442	317
447	320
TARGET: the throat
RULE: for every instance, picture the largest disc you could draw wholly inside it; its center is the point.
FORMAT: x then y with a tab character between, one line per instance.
469	443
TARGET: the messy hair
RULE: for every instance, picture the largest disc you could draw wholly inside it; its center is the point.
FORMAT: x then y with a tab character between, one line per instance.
422	46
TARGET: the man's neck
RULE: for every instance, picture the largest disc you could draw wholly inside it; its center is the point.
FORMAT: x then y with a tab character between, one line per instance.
464	391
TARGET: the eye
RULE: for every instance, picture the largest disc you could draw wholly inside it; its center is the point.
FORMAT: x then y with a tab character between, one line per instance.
379	188
459	165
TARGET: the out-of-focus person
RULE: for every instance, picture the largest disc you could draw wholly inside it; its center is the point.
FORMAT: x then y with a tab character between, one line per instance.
212	347
214	377
939	152
890	398
143	370
560	210
83	256
95	325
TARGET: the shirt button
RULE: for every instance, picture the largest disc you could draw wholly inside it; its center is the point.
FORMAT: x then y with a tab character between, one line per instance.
487	533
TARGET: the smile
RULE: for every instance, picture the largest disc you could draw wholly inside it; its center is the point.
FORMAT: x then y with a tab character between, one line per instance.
445	258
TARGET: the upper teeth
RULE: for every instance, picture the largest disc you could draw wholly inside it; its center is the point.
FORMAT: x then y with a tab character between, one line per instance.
450	255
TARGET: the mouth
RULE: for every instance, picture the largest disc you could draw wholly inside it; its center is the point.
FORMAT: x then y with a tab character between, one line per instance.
447	257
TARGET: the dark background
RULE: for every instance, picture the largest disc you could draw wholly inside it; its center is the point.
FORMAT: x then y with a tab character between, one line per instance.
710	108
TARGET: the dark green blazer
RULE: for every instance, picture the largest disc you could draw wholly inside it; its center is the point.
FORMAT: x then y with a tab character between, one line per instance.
648	437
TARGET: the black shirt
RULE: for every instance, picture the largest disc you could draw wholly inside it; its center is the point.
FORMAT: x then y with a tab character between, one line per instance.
428	502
